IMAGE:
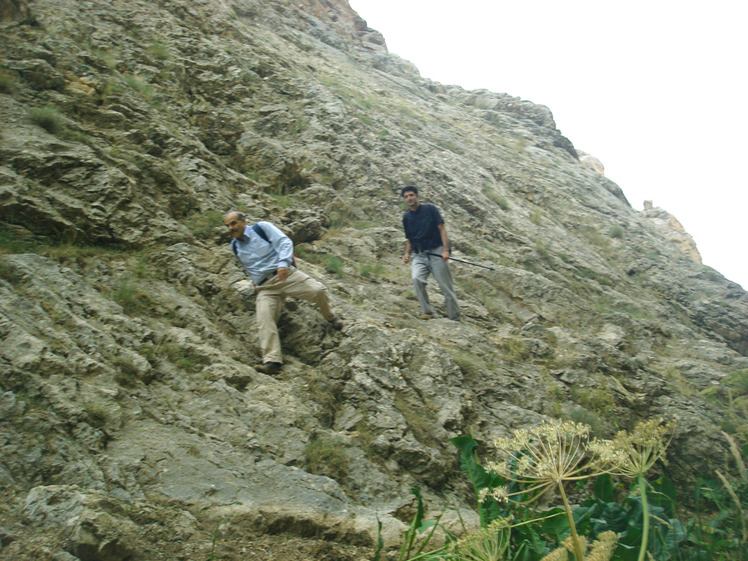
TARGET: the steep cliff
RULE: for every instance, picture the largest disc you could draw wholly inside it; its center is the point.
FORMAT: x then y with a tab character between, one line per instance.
133	425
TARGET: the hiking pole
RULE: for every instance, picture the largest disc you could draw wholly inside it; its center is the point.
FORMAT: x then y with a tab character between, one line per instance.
462	261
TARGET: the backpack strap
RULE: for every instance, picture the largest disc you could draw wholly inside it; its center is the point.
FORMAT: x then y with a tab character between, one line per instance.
260	232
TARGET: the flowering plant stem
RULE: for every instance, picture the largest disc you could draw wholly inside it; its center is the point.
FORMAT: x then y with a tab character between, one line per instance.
577	544
645	516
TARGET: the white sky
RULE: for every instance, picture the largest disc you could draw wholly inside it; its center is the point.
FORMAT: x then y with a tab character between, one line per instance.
655	89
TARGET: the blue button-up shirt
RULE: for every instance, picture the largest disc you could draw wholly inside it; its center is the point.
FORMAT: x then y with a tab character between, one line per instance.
261	259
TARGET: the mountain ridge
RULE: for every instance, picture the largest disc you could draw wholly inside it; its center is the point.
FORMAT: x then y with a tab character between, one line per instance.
128	329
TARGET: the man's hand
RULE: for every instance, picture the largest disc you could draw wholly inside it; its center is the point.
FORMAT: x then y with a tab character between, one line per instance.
406	257
282	273
445	255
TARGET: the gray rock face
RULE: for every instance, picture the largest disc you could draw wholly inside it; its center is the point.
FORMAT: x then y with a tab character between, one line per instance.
133	425
95	527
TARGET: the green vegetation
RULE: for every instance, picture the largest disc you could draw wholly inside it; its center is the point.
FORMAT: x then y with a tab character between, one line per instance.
494	196
8	274
514	349
137	84
364	224
326	456
9	82
320	390
184	358
341	216
596	238
420	416
293	177
365	436
723	533
470	363
732	395
111	87
679	381
96	414
205	224
281	200
606	525
332	263
578	414
127	374
48	118
368	270
15	239
595	398
131	297
158	50
418	527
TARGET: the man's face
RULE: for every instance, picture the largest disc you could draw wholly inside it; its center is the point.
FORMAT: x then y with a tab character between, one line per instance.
411	199
236	227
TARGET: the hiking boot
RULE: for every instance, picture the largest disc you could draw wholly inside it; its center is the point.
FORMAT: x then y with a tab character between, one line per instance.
269	368
426	316
336	323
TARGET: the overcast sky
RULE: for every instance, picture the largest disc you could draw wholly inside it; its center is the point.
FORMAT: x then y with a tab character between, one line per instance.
655	89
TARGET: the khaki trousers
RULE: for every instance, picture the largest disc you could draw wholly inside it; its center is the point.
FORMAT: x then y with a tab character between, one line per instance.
270	298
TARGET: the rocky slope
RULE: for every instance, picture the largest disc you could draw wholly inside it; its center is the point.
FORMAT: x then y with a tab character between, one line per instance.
133	425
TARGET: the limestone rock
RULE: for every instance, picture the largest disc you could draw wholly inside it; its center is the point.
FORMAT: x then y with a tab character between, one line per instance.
95	527
132	422
591	162
672	230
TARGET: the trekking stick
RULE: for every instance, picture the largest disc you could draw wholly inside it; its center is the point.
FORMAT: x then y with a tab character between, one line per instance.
462	261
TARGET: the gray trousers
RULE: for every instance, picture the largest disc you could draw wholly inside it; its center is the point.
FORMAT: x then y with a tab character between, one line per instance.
424	265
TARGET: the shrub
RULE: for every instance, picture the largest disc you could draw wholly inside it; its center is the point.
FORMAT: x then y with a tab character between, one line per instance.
97	415
183	358
598	399
8	82
334	265
326	456
128	374
47	118
15	239
368	270
158	50
498	199
146	90
130	297
205	224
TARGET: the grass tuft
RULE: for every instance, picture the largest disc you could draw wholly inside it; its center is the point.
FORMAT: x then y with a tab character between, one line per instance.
326	456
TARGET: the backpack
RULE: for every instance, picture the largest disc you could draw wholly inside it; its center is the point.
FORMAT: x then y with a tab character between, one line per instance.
260	232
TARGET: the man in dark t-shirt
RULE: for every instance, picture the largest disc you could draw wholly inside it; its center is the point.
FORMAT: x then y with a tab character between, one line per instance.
426	238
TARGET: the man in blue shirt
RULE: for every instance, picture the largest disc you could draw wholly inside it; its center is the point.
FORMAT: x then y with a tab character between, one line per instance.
426	238
266	254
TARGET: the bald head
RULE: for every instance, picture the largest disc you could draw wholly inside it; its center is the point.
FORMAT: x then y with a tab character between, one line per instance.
236	223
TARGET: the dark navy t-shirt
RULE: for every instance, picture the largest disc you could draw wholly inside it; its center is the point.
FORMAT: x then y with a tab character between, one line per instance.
422	227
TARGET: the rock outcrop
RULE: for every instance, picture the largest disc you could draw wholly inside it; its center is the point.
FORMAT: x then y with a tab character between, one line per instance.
673	230
132	423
